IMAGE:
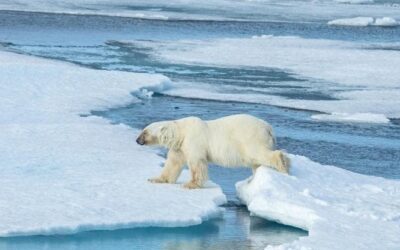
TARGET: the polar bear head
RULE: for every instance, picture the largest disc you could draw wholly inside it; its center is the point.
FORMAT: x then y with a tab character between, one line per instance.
163	133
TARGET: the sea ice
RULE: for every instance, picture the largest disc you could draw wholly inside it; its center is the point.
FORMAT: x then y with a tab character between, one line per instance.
339	209
62	172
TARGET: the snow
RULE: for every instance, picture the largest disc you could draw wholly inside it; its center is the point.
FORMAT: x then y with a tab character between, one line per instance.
356	117
366	75
63	173
339	209
364	21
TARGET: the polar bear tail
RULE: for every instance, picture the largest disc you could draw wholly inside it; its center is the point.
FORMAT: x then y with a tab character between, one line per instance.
280	161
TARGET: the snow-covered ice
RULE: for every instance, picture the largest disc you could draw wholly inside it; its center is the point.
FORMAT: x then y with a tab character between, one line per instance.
367	75
365	21
339	209
62	173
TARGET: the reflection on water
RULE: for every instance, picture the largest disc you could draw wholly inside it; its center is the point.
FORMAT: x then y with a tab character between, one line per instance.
235	231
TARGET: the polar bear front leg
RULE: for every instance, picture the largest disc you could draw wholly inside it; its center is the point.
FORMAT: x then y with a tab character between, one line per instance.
172	168
199	173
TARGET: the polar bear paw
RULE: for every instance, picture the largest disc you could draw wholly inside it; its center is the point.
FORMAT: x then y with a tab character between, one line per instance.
157	180
191	185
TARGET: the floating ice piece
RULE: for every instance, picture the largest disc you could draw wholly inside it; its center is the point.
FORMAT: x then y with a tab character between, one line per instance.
356	21
364	21
356	117
62	173
385	21
339	209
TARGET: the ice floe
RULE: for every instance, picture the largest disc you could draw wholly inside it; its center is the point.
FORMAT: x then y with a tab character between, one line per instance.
339	209
63	173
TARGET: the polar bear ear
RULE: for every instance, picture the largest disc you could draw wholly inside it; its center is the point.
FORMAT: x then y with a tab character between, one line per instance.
168	136
164	135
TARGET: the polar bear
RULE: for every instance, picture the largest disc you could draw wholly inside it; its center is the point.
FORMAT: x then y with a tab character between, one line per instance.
231	141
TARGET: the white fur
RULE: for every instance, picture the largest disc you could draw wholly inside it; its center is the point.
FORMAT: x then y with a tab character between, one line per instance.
232	141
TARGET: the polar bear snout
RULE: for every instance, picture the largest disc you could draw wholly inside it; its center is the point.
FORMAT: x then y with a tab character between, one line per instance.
140	140
146	138
143	138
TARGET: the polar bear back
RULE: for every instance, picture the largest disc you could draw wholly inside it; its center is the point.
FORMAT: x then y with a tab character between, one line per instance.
233	139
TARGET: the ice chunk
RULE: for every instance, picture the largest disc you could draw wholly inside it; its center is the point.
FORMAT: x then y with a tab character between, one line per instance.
340	209
63	173
385	21
356	21
355	1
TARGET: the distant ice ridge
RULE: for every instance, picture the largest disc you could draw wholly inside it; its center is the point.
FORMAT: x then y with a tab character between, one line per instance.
367	76
62	173
266	10
365	21
339	209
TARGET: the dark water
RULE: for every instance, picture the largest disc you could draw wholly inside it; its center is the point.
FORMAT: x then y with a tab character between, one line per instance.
63	29
101	42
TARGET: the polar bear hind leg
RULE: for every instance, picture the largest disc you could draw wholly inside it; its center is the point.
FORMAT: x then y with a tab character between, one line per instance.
274	159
